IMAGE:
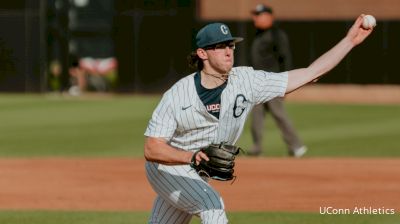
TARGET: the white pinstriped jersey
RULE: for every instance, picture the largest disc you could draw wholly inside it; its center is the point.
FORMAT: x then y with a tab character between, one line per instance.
183	120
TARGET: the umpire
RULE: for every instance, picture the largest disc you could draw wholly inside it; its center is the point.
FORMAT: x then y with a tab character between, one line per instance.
270	51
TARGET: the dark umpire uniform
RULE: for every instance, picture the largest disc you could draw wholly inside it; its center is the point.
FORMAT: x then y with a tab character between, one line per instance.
270	51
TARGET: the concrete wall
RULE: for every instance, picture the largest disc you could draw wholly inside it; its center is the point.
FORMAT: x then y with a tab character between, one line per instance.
301	9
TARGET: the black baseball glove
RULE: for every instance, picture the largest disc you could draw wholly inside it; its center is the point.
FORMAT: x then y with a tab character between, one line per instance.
221	163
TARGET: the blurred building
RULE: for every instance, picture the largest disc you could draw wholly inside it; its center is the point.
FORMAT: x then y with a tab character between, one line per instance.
150	39
22	46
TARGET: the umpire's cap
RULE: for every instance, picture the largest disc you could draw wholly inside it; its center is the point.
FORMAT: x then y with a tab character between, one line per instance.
214	33
261	8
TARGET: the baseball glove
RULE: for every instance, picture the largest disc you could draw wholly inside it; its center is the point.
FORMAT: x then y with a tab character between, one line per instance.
221	163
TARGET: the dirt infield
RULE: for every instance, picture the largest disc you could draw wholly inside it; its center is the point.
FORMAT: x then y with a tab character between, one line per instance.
325	93
262	184
360	94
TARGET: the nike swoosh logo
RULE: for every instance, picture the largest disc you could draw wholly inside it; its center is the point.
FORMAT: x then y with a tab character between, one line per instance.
184	108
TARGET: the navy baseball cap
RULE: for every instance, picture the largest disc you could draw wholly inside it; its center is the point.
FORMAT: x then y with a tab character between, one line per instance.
214	33
261	8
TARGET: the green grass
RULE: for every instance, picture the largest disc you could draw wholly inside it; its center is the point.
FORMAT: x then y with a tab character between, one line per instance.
59	126
45	125
69	217
337	130
60	217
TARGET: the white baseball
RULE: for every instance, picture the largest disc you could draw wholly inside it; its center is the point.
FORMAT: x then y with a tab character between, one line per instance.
369	22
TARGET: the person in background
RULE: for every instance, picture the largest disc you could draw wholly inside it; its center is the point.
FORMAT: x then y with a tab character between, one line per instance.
270	51
55	70
89	74
78	77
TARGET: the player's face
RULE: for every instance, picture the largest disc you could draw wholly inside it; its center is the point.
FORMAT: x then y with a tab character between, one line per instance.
220	56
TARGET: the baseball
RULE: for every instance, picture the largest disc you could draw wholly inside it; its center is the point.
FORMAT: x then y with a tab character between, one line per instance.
369	22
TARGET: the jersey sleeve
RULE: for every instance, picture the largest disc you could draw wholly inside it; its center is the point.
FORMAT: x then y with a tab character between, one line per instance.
268	85
163	122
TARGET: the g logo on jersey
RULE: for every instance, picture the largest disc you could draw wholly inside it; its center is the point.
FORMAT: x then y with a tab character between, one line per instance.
224	29
239	106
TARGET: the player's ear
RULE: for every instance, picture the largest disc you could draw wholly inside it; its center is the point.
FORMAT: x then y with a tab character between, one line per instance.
202	53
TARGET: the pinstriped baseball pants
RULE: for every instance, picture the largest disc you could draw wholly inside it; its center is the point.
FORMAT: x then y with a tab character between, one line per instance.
182	193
